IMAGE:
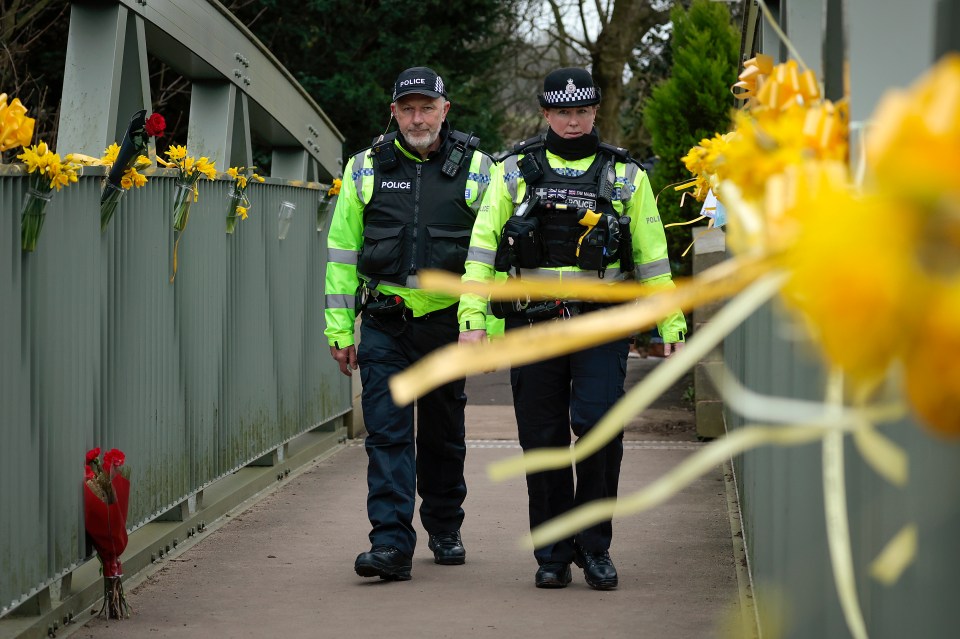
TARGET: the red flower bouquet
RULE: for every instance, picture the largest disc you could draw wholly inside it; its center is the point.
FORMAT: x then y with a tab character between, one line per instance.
106	493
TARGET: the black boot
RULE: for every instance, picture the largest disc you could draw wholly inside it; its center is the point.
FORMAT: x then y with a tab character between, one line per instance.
598	569
386	562
447	548
555	574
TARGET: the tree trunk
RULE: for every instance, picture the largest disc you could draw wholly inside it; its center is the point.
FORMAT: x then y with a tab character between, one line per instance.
609	55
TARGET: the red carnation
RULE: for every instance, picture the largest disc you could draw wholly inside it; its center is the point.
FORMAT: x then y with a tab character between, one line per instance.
155	125
113	458
92	454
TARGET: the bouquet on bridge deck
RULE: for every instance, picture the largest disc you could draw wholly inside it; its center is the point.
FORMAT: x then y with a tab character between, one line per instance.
106	493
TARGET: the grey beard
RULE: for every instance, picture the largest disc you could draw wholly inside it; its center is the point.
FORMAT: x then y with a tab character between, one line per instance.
422	141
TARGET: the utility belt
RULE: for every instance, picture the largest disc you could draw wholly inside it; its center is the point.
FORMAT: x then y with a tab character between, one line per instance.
390	306
540	310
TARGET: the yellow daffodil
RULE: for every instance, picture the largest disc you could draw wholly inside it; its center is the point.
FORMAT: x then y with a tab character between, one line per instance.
46	165
176	152
238	206
132	179
334	188
110	154
16	129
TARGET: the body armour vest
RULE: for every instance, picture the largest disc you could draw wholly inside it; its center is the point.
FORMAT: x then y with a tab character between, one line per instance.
559	228
416	218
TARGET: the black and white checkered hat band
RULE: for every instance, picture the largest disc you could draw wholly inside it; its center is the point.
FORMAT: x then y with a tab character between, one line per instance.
559	97
438	85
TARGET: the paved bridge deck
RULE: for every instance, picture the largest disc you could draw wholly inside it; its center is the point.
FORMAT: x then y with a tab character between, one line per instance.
284	565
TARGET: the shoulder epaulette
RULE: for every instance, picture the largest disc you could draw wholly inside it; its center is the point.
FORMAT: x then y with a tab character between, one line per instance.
531	144
619	153
467	139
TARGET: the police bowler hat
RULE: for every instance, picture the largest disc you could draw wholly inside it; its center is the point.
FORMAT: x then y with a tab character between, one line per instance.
569	87
422	80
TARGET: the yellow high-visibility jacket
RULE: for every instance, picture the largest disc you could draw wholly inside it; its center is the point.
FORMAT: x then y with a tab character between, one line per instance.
345	241
632	196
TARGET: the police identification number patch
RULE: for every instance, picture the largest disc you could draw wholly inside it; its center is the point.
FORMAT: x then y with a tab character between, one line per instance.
466	195
396	186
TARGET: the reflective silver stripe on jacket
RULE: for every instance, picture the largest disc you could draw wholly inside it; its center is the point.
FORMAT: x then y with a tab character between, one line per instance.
482	255
359	171
547	273
652	269
342	256
484	170
629	175
510	174
340	301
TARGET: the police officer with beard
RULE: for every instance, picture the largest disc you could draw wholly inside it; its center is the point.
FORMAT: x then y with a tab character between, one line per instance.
565	206
407	203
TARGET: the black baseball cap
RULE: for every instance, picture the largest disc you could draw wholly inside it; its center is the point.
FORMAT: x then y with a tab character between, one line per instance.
569	87
422	80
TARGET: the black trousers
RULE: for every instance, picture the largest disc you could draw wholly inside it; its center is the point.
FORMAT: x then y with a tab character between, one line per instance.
551	398
400	460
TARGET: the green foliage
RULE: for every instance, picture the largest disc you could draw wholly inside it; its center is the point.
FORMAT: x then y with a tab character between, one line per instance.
347	54
694	103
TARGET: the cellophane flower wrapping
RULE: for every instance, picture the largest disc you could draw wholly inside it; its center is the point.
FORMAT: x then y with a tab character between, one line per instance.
32	217
106	495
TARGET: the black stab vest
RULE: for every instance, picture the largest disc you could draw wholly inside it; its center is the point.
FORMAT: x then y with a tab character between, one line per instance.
416	217
559	229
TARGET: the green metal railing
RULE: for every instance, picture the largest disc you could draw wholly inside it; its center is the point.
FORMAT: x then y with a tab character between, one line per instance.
191	379
781	489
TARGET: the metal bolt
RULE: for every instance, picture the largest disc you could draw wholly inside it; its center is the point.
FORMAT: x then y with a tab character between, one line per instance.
286	472
168	547
153	558
175	542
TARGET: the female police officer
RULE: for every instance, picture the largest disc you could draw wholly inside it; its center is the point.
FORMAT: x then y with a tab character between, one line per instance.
564	205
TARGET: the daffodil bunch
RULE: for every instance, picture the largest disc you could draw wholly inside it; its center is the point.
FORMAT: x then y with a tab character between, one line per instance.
132	178
47	173
238	205
191	170
16	129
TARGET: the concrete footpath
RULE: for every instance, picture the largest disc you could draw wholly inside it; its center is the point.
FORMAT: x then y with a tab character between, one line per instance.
282	565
